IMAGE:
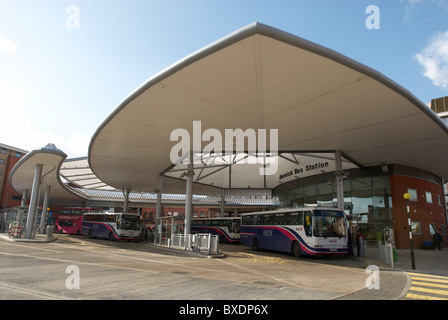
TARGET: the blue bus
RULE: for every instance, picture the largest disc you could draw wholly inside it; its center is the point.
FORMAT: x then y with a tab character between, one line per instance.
301	231
227	229
112	226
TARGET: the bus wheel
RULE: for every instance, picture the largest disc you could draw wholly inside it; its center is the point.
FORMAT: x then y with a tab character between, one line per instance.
111	236
89	235
296	249
222	239
255	245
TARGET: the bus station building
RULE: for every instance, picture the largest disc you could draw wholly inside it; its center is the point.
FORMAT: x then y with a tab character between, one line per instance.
328	130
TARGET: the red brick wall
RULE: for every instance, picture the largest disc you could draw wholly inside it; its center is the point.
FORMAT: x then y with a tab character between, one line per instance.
7	189
420	210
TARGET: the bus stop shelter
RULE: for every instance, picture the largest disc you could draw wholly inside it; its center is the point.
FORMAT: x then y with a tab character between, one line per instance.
261	78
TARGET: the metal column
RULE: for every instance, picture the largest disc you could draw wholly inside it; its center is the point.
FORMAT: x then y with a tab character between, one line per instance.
24	197
32	210
43	218
189	198
159	197
339	180
223	195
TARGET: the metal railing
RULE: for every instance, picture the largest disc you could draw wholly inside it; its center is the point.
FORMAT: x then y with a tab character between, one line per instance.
386	253
200	242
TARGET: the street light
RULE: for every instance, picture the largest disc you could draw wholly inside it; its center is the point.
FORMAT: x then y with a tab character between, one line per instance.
407	196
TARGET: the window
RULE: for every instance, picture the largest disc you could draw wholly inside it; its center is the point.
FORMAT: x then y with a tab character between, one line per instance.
18	155
110	218
428	197
439	200
442	227
413	193
432	228
2	150
2	161
307	223
416	227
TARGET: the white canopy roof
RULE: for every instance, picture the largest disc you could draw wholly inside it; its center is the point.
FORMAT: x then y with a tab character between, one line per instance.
51	158
262	78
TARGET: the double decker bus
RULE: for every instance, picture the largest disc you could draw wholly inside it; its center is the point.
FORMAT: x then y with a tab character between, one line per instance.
228	229
69	219
112	225
304	231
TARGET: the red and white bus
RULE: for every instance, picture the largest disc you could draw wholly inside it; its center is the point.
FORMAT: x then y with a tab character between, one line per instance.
69	219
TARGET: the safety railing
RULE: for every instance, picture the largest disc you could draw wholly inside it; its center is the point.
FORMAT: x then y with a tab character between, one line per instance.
200	242
387	253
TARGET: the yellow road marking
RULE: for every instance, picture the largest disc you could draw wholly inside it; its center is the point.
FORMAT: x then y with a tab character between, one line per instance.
424	283
262	259
426	275
429	280
422	297
429	284
427	290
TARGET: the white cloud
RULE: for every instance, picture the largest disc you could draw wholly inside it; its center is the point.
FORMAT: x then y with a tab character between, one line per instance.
22	131
7	45
434	59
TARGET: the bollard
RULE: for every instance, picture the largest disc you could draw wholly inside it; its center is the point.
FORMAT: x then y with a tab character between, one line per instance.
209	243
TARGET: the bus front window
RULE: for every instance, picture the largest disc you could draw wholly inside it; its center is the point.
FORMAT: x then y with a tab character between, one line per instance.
130	222
329	225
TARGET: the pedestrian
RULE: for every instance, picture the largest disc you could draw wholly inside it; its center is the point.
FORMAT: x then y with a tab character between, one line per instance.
359	241
437	239
350	243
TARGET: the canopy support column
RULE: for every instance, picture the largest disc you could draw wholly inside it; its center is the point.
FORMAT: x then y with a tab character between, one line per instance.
32	210
24	197
339	180
159	197
189	198
43	218
223	194
126	200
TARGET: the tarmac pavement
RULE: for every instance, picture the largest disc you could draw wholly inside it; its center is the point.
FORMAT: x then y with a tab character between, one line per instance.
387	283
394	283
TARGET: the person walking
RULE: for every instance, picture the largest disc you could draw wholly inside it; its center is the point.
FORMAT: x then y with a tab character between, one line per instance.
437	239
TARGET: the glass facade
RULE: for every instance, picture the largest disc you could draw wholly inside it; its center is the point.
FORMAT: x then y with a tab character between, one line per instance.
367	197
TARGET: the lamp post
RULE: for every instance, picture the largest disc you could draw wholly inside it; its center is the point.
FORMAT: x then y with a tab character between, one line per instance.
407	196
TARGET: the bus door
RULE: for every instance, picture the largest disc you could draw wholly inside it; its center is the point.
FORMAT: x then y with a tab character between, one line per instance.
308	223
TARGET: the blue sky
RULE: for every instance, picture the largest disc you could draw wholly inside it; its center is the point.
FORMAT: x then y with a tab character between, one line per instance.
66	65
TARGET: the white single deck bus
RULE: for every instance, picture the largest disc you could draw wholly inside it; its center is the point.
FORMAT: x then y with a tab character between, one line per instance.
112	226
301	231
227	229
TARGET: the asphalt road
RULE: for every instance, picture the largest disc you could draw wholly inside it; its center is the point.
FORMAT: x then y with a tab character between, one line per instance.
74	267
